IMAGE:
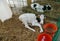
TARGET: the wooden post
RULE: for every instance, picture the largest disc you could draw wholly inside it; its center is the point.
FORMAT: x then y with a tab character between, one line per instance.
28	2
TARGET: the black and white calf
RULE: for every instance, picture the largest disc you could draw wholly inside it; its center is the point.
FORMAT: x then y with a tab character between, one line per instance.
27	18
40	8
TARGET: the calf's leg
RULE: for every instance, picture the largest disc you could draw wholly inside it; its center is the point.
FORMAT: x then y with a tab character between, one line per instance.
26	25
37	24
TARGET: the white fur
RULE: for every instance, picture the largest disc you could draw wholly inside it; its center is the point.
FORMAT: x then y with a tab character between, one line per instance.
42	18
39	7
30	18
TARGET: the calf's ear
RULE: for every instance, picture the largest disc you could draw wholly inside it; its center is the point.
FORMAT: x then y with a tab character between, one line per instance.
44	8
38	19
49	8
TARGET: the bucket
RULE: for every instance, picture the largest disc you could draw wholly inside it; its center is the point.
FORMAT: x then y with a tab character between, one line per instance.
44	37
50	28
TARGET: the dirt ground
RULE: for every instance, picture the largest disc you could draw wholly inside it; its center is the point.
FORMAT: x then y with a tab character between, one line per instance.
13	30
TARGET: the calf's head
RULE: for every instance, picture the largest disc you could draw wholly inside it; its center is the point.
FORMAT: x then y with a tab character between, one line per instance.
40	18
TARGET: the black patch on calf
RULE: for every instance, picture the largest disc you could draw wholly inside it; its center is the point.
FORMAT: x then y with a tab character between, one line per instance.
49	8
35	5
44	8
38	19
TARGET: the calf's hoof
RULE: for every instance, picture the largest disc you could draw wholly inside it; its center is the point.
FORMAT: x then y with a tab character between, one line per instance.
41	31
33	30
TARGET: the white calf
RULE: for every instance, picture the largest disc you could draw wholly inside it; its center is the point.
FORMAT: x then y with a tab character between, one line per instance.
40	8
30	18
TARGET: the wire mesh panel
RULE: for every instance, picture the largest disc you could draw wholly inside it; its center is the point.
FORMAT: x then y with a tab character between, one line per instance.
16	5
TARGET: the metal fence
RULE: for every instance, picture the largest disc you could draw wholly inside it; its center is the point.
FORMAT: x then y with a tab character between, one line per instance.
16	5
